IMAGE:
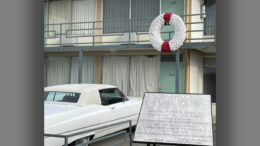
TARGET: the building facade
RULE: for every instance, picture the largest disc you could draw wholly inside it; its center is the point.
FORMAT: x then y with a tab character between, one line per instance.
106	41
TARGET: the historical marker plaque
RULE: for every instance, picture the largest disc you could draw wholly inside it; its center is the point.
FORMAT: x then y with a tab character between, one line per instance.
175	119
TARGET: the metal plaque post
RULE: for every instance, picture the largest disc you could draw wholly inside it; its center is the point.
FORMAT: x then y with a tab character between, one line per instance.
177	71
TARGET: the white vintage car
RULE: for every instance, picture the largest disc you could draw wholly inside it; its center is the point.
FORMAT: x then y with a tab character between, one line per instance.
73	108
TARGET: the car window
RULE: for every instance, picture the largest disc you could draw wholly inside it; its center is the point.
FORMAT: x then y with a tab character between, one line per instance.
49	96
111	96
61	96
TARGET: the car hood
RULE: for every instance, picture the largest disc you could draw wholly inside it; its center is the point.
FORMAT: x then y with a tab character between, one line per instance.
131	98
51	109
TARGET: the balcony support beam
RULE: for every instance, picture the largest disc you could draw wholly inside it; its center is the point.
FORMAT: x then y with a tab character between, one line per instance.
187	70
193	45
80	66
97	69
188	18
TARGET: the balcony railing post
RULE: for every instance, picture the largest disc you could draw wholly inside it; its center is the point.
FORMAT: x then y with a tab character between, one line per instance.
93	39
66	141
60	34
80	66
129	35
130	133
91	33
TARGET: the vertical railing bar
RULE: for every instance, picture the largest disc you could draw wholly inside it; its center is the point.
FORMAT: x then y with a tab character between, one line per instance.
211	30
60	34
125	136
129	35
94	39
66	141
130	133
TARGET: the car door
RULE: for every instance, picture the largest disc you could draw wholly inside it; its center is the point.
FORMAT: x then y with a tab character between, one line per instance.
117	102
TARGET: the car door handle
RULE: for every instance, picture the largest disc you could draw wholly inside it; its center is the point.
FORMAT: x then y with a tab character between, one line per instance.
113	107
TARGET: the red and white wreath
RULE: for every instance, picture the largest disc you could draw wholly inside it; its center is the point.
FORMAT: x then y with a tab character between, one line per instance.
155	32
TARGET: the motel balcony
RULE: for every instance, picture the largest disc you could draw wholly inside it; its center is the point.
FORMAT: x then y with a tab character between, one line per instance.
127	34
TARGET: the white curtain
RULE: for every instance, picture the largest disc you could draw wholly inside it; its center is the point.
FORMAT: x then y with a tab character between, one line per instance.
59	11
58	70
66	11
74	70
83	11
88	67
134	75
144	75
115	71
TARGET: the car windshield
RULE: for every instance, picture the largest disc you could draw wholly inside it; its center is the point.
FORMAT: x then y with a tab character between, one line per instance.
61	96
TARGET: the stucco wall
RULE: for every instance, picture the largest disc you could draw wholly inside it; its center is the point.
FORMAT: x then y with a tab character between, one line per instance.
196	73
196	4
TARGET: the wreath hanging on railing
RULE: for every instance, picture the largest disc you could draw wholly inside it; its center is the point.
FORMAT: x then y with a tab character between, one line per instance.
155	32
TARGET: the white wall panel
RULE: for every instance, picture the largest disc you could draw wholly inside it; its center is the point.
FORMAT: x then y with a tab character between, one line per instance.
196	73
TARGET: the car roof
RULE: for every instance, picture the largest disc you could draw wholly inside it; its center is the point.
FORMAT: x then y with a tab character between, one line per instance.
78	88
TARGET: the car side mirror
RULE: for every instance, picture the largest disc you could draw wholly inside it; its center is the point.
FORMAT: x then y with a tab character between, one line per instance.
125	99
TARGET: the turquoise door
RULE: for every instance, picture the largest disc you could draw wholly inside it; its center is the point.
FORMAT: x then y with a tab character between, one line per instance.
167	77
173	6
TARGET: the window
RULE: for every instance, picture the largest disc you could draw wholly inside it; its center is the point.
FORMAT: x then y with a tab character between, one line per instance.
133	74
57	70
111	96
49	96
210	19
117	12
209	77
64	69
75	11
142	13
61	96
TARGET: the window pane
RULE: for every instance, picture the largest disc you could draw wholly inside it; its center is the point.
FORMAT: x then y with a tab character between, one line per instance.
58	70
49	96
110	96
115	71
62	96
142	13
83	11
210	20
88	69
209	77
144	74
58	12
59	96
114	10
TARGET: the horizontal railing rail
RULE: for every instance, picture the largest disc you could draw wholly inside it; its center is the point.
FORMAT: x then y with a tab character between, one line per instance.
121	32
124	132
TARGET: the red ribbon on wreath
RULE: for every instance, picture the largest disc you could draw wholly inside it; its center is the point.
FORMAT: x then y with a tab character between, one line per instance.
167	18
165	47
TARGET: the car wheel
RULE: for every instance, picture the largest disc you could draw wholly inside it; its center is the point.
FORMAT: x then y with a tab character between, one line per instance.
80	141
